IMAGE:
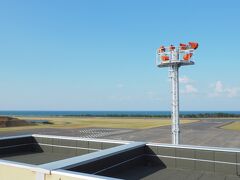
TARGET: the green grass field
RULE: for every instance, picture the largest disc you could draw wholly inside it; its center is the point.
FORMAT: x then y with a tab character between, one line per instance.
102	122
232	126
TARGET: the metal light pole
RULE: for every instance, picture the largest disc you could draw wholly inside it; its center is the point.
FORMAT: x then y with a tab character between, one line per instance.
175	58
175	103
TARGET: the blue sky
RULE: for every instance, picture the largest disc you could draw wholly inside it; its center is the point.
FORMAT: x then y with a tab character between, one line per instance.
100	55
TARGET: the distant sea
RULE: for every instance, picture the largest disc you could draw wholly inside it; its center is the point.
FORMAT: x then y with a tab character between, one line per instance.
104	113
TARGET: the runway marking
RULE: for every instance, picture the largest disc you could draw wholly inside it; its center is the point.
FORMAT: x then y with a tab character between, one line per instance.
100	132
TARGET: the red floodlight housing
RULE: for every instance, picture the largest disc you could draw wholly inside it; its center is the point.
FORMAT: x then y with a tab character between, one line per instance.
165	58
193	45
183	46
161	49
187	57
171	48
183	54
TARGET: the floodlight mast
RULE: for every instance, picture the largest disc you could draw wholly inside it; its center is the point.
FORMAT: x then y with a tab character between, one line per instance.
175	57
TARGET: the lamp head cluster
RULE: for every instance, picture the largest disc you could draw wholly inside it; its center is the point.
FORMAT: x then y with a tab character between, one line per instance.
181	53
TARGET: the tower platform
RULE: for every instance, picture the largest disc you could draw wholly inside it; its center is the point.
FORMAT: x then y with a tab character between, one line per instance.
179	63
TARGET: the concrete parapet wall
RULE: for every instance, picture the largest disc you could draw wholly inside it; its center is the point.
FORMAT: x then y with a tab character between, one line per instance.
107	158
218	160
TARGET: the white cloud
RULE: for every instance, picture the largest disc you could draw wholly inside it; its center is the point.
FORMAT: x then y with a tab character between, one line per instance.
219	87
184	80
190	89
219	90
232	92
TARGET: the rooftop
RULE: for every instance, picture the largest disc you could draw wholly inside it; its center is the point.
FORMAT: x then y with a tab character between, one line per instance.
48	157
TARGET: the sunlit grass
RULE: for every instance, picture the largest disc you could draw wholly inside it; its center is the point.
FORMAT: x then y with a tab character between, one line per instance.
101	122
232	126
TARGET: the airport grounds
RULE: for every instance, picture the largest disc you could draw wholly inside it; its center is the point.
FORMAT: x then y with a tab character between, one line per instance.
214	131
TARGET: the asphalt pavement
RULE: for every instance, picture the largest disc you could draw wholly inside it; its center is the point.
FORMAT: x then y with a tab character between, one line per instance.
206	132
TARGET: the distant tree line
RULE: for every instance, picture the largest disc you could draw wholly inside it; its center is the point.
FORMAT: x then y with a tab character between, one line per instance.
210	115
199	115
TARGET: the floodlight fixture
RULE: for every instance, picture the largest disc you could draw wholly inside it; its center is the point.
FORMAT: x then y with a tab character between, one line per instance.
175	57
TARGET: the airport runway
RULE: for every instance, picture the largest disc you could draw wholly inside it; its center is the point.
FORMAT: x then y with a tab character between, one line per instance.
203	133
